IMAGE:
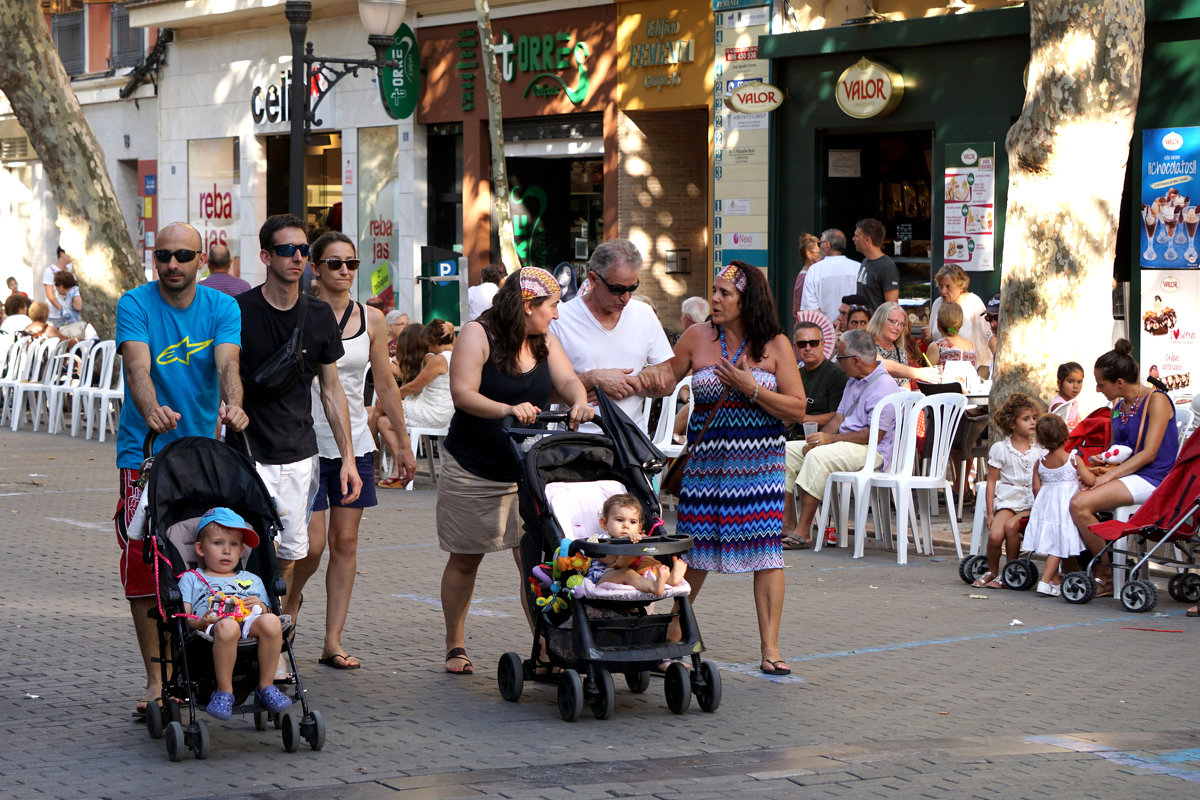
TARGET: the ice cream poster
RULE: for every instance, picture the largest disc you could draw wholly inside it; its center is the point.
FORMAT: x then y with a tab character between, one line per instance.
1170	195
1170	325
969	206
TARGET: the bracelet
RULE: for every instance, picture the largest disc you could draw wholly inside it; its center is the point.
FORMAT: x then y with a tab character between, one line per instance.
754	397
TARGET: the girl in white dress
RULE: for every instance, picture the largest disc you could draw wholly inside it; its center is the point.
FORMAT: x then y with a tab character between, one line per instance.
1051	530
1010	483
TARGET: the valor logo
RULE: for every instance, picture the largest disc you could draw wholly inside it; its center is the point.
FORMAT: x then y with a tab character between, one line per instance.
1172	141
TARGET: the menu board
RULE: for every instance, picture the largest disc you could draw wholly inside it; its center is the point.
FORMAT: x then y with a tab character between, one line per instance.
968	231
741	143
1170	323
1169	198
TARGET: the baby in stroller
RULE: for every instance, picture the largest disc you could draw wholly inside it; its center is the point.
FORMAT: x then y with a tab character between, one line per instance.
226	603
622	518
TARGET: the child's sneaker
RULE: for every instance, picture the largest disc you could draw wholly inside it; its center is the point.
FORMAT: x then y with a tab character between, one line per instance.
220	705
1049	589
272	699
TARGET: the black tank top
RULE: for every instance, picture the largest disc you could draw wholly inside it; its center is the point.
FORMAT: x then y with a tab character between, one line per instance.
479	444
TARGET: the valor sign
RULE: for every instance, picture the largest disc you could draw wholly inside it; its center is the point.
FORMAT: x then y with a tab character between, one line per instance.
755	98
869	89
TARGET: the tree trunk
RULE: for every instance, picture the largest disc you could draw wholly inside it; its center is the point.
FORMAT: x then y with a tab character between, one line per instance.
508	246
1067	155
92	228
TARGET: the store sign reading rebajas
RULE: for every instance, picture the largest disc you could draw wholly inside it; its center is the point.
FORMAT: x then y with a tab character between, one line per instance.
869	89
212	190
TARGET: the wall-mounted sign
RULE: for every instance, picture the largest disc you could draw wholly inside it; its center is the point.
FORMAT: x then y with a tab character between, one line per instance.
869	89
1170	198
755	98
968	238
401	86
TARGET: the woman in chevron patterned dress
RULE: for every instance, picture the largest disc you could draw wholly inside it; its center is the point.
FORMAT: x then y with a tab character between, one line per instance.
745	378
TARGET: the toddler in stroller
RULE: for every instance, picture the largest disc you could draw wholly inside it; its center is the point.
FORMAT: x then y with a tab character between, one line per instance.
622	518
226	603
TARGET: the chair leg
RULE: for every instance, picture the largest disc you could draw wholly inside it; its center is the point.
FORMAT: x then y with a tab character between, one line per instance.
862	507
954	514
920	520
903	504
977	532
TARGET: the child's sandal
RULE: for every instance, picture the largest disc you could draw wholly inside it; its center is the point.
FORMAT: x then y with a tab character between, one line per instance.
982	581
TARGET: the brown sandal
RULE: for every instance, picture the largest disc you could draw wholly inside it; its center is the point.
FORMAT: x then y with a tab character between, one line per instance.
459	653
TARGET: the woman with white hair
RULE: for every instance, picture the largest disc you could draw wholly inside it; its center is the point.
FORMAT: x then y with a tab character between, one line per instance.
888	328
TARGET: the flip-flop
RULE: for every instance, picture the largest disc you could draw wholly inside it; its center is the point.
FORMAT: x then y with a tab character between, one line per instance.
1194	611
391	483
459	652
139	711
792	542
776	667
333	661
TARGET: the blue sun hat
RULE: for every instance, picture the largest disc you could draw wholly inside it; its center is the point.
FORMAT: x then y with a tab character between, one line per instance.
230	519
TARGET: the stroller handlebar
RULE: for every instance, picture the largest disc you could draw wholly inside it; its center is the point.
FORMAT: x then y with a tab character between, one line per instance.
148	442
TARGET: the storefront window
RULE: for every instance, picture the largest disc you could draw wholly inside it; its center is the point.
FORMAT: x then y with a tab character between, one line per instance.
213	190
322	179
378	152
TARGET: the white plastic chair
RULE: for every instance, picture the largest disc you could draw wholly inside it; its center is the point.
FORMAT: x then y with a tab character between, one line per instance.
900	404
1184	418
38	360
110	400
430	435
1065	409
926	476
663	434
101	379
37	394
70	383
93	366
15	364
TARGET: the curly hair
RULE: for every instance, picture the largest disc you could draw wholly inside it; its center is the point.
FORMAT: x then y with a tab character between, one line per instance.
1006	417
436	333
410	352
1051	431
955	274
505	321
758	311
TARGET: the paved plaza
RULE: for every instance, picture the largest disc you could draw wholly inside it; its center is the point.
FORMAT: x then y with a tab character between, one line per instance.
907	682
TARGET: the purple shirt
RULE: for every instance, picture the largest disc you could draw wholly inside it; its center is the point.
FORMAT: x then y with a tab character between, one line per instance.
224	282
859	400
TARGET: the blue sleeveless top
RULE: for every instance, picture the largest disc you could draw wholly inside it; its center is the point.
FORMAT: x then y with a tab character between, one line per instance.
1126	432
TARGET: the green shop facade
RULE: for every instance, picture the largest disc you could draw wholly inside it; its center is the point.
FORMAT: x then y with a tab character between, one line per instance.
962	79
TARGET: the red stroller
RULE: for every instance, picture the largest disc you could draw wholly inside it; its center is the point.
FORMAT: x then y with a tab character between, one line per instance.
1165	527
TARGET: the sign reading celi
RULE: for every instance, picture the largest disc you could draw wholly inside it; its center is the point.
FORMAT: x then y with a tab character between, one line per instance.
869	89
400	87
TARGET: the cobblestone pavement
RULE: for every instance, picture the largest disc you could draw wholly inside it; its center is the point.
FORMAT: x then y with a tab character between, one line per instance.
907	682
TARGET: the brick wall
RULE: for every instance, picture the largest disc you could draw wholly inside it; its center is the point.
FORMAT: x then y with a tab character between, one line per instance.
662	201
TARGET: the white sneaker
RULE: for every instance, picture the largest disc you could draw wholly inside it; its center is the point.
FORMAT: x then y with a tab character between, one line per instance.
1055	590
1046	589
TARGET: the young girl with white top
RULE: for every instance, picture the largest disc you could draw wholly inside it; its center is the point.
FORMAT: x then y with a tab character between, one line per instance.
1051	530
1010	483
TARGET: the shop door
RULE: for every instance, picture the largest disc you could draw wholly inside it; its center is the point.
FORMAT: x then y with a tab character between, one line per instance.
885	176
557	206
322	181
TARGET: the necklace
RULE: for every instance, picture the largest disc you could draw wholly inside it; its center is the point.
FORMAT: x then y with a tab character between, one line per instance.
1126	414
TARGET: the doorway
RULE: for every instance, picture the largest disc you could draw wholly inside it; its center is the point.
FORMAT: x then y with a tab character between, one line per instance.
322	181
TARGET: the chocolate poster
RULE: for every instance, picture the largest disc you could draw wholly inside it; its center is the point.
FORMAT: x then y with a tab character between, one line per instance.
1170	324
1170	194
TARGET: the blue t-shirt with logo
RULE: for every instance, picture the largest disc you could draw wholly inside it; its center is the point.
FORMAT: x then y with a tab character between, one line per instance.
183	365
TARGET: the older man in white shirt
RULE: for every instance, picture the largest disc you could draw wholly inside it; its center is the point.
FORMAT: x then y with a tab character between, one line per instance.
831	278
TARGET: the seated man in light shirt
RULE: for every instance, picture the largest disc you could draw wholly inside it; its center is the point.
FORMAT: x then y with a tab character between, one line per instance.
841	444
615	344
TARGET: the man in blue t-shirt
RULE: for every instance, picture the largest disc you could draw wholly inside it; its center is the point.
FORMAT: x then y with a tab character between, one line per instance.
179	344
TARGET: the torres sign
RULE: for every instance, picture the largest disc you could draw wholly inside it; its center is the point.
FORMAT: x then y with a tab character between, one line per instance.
869	89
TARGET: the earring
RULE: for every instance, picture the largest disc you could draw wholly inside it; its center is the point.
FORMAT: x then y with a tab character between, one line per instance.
529	313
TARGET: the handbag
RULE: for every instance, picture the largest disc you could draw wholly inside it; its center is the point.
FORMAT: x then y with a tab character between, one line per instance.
673	478
281	371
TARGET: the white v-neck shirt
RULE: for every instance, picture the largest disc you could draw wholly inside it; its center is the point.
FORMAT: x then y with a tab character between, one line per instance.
635	342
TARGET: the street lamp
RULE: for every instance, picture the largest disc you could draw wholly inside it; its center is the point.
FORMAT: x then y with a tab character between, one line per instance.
381	18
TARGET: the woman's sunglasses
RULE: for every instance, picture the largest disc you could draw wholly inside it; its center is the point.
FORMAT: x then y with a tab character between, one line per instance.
335	264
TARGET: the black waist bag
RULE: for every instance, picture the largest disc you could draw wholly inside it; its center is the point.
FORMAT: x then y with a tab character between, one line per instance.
281	371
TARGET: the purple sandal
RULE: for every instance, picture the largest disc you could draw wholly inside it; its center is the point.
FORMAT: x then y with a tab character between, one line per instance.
220	705
272	699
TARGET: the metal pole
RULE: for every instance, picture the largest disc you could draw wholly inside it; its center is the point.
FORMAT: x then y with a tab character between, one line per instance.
298	13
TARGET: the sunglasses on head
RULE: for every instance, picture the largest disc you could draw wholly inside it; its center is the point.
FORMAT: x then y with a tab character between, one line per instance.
182	256
617	288
803	343
852	309
289	250
336	264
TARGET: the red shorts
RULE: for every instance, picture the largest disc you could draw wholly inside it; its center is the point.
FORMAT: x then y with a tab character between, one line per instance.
136	576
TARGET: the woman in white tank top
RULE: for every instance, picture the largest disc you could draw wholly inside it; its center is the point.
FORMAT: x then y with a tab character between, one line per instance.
364	339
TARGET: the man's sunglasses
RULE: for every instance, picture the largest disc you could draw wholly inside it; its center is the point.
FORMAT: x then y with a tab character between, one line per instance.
336	264
991	317
803	343
852	309
617	288
182	256
289	250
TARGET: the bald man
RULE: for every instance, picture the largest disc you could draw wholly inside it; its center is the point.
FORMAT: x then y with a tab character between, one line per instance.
180	345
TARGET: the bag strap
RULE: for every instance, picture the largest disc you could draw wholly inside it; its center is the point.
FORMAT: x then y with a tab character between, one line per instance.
1142	427
711	417
346	317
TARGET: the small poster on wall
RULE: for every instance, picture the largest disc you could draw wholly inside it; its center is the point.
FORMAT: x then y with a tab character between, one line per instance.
1170	195
970	200
1170	324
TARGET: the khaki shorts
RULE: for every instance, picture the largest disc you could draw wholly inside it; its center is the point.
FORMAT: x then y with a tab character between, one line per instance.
810	470
475	515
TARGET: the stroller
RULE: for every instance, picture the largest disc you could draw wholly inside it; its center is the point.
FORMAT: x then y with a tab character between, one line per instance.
189	476
1164	528
584	630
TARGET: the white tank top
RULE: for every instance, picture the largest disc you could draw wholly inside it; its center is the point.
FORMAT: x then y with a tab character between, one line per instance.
352	368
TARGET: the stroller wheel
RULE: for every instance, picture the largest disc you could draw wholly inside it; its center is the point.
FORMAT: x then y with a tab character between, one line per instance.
172	709
1185	587
200	740
1078	587
154	720
314	730
1019	574
1139	596
678	687
510	677
605	701
638	682
570	695
291	731
260	720
708	696
971	567
174	737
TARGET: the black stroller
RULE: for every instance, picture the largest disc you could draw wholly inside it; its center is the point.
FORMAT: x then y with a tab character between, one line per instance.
189	476
590	639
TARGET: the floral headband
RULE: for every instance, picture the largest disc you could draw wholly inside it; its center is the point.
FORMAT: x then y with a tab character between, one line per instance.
733	273
536	282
